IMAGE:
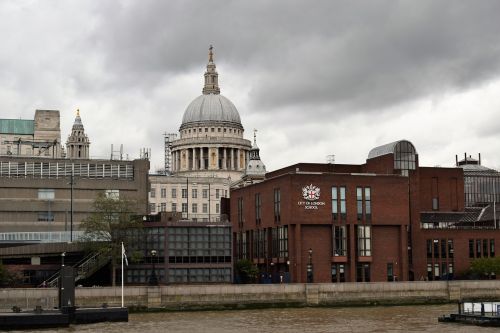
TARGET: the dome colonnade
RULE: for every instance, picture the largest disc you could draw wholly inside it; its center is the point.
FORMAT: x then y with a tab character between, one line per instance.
211	142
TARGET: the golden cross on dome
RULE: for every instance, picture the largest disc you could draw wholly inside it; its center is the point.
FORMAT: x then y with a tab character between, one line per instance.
78	112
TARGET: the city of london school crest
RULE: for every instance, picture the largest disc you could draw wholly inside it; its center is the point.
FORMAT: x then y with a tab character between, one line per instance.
311	192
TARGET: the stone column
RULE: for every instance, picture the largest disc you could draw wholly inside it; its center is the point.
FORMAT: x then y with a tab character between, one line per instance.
194	159
237	159
202	160
231	165
216	158
224	161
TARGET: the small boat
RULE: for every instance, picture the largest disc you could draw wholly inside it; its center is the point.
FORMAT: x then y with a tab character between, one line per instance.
486	313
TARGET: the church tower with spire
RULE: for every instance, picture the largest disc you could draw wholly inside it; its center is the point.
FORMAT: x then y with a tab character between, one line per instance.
78	144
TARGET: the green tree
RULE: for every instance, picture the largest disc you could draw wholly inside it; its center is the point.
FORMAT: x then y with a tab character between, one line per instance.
4	276
108	226
483	267
247	271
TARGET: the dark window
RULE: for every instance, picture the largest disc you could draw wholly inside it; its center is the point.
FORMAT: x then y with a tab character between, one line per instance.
240	212
338	273
443	248
359	202
429	248
485	248
450	248
363	272
258	208
429	272
478	248
277	205
492	248
436	248
339	241
274	242
390	272
471	248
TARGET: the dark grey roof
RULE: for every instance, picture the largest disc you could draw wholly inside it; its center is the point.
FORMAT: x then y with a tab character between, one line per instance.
385	149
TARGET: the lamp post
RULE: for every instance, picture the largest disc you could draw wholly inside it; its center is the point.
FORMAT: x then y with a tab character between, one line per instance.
62	258
153	279
310	277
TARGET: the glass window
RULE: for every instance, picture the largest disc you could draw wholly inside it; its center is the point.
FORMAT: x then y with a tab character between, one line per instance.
492	248
112	194
163	192
184	207
152	193
163	206
205	193
174	207
194	193
46	194
217	208
184	193
174	193
471	248
194	208
45	217
334	202
338	273
217	194
359	202
364	240
343	211
205	208
368	203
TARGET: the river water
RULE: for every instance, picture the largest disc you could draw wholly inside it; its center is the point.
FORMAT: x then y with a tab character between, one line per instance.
353	319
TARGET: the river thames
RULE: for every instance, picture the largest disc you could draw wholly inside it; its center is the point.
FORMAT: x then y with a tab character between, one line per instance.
353	319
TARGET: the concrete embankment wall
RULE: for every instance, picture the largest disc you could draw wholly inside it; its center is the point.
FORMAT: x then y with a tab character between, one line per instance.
242	296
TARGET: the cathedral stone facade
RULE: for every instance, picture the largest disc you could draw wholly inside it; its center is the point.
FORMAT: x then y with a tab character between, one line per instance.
211	142
78	144
209	157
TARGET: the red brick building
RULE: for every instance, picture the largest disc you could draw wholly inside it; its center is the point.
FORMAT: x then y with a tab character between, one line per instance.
368	222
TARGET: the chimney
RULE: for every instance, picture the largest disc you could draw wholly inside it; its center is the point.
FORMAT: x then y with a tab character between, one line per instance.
465	160
456	160
479	158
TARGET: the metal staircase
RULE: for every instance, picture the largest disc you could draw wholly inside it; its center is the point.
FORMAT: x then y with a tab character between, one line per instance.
84	268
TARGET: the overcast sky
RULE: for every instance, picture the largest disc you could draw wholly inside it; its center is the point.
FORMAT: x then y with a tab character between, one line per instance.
314	77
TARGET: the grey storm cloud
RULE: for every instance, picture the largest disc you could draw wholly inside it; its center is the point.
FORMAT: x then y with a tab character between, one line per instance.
360	56
322	69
